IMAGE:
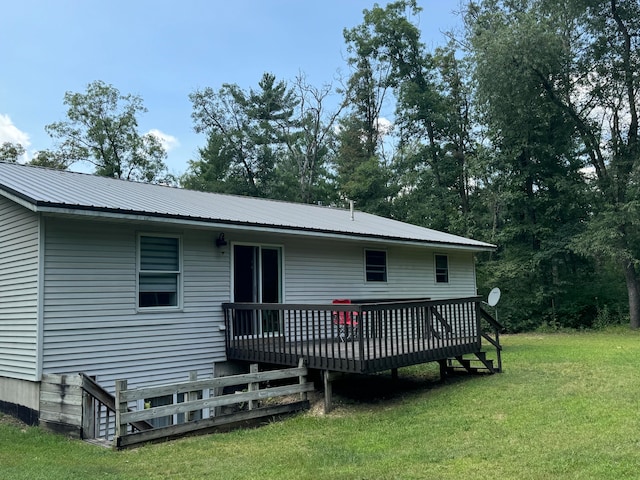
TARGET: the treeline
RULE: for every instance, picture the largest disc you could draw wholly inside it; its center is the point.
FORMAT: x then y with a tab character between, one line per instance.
521	131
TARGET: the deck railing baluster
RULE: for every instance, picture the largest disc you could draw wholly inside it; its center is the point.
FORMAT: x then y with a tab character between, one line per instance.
415	329
403	319
288	335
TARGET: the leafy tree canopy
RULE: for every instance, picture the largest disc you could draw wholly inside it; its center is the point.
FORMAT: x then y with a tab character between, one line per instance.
102	128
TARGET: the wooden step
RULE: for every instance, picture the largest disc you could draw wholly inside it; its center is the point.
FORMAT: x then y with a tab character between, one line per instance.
480	364
100	442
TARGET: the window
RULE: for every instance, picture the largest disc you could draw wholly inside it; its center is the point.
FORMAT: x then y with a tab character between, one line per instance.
442	269
173	399
159	271
159	402
375	265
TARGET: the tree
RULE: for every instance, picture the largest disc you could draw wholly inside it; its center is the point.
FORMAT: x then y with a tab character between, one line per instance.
49	159
364	171
310	140
11	152
102	129
246	135
362	178
562	90
436	122
274	142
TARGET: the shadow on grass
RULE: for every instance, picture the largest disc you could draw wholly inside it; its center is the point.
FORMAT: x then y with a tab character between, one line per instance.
383	388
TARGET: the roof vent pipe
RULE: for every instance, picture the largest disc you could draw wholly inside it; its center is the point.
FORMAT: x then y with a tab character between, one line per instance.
351	209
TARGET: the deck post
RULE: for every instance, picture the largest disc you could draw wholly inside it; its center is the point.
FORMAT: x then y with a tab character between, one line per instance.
326	376
302	379
394	374
443	369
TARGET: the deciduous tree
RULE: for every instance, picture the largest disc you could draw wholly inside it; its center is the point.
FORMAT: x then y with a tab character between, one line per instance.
560	80
11	152
102	128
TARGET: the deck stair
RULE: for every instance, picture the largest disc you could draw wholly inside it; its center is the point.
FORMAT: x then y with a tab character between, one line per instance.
476	363
98	415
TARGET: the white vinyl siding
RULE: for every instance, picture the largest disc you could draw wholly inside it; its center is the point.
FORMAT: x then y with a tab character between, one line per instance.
318	271
337	273
92	323
19	260
91	320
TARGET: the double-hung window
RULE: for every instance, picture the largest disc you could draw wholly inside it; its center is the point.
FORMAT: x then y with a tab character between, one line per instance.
375	265
158	271
442	268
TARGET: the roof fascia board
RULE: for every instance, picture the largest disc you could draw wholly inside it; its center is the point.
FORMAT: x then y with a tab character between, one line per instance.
259	228
22	201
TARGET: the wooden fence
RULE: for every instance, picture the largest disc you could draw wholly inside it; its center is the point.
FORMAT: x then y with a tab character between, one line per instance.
61	404
208	403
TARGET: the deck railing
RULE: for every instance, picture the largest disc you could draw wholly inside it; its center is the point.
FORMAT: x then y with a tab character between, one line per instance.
356	337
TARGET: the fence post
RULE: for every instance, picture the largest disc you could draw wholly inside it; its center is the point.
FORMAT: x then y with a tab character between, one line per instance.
88	414
192	397
253	386
121	407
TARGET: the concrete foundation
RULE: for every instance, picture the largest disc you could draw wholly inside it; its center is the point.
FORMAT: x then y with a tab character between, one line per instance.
20	398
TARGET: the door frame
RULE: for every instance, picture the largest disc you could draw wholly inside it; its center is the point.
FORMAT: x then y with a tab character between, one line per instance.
257	281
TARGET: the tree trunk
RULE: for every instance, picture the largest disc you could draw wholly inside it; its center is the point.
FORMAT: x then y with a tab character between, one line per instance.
633	290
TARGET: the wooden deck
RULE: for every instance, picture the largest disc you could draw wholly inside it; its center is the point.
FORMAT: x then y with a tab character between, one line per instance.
353	356
378	336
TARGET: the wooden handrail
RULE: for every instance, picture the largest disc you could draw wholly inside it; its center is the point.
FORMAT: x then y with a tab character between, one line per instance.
497	328
98	392
360	306
492	321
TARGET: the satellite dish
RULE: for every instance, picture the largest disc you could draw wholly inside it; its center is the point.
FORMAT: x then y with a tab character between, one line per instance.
494	297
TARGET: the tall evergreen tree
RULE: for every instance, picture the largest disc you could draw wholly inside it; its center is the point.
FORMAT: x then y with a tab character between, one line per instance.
245	136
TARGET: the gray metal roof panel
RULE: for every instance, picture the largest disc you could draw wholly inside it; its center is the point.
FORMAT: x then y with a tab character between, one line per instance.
62	189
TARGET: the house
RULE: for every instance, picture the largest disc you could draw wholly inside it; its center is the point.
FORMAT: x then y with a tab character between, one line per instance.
127	280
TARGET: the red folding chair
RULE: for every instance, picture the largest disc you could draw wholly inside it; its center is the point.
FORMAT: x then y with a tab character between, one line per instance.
347	322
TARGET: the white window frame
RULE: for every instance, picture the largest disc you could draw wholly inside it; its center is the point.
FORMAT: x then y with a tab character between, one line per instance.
386	265
435	268
178	273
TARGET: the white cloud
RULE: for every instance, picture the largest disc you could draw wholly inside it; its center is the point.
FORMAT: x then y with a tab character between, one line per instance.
384	126
10	133
169	142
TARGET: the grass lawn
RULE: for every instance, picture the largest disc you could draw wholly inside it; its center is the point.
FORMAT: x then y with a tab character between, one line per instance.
567	406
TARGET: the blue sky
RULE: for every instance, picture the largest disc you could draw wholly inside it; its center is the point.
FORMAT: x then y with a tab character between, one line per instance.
164	50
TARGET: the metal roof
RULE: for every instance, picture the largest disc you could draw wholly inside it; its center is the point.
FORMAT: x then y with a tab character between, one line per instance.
47	190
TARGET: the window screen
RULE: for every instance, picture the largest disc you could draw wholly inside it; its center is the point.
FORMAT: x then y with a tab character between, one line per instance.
376	265
159	271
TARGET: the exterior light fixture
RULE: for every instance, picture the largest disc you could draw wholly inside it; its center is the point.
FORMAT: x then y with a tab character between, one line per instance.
220	241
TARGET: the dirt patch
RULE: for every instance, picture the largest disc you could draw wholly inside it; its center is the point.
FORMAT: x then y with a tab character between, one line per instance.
11	421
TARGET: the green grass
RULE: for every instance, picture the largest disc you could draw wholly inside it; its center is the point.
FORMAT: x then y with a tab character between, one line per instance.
567	406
